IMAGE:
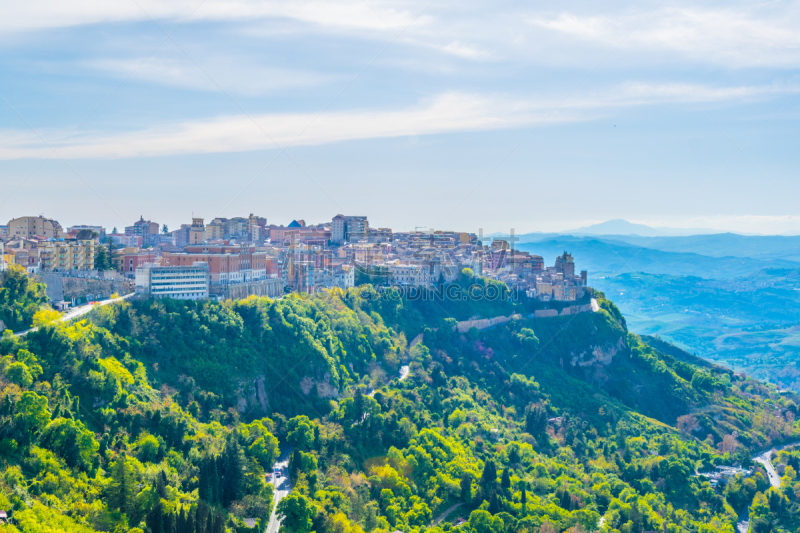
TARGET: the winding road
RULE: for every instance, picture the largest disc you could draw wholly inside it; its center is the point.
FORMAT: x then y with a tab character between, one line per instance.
79	311
764	459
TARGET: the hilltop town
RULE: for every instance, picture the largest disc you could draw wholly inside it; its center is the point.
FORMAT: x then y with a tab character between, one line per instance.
242	256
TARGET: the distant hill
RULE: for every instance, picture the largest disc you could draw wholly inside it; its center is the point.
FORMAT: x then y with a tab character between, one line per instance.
604	257
623	227
763	247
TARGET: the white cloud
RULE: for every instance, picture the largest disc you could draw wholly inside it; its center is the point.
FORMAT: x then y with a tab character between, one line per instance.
233	74
42	14
447	113
739	34
752	34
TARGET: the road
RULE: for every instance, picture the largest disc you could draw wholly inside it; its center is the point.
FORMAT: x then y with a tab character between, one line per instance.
404	373
79	311
282	489
765	460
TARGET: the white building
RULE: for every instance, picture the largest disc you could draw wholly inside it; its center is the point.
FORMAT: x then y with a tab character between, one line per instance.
178	282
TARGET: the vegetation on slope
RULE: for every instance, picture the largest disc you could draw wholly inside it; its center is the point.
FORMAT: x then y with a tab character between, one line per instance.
20	298
164	416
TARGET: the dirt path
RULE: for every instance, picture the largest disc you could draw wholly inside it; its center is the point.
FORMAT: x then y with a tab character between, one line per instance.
446	512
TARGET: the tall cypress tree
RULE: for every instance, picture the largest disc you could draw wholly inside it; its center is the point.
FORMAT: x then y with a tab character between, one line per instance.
161	485
189	528
494	504
122	487
180	526
219	524
201	517
489	475
505	482
209	482
155	518
233	468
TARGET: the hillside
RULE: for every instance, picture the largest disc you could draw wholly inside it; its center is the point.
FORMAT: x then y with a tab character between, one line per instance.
748	323
164	417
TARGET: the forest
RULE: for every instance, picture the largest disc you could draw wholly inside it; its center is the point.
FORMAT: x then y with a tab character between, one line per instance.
167	416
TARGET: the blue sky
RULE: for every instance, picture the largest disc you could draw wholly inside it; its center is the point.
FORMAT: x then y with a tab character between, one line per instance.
459	115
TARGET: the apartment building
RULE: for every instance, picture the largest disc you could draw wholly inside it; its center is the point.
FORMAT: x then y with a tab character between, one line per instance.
61	255
145	229
349	229
28	227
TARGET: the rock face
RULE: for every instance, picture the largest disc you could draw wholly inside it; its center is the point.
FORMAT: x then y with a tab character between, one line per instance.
252	395
323	386
600	355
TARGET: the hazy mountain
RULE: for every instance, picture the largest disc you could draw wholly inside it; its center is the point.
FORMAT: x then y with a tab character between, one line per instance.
763	247
606	257
623	227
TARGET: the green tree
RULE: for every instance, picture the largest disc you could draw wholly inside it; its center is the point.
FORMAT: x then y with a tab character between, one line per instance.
233	470
265	450
466	488
20	298
535	419
18	373
165	229
296	511
300	432
85	235
505	480
101	261
32	415
72	441
123	485
489	475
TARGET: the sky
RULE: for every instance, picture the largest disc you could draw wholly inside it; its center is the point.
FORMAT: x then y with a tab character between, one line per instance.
532	116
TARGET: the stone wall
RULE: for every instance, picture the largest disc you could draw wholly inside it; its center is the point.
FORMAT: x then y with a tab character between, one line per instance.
484	323
78	290
571	310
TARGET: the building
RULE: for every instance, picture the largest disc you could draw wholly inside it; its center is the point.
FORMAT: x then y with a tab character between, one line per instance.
178	282
28	227
197	231
62	255
119	239
349	229
181	236
215	230
132	260
235	270
295	233
145	229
